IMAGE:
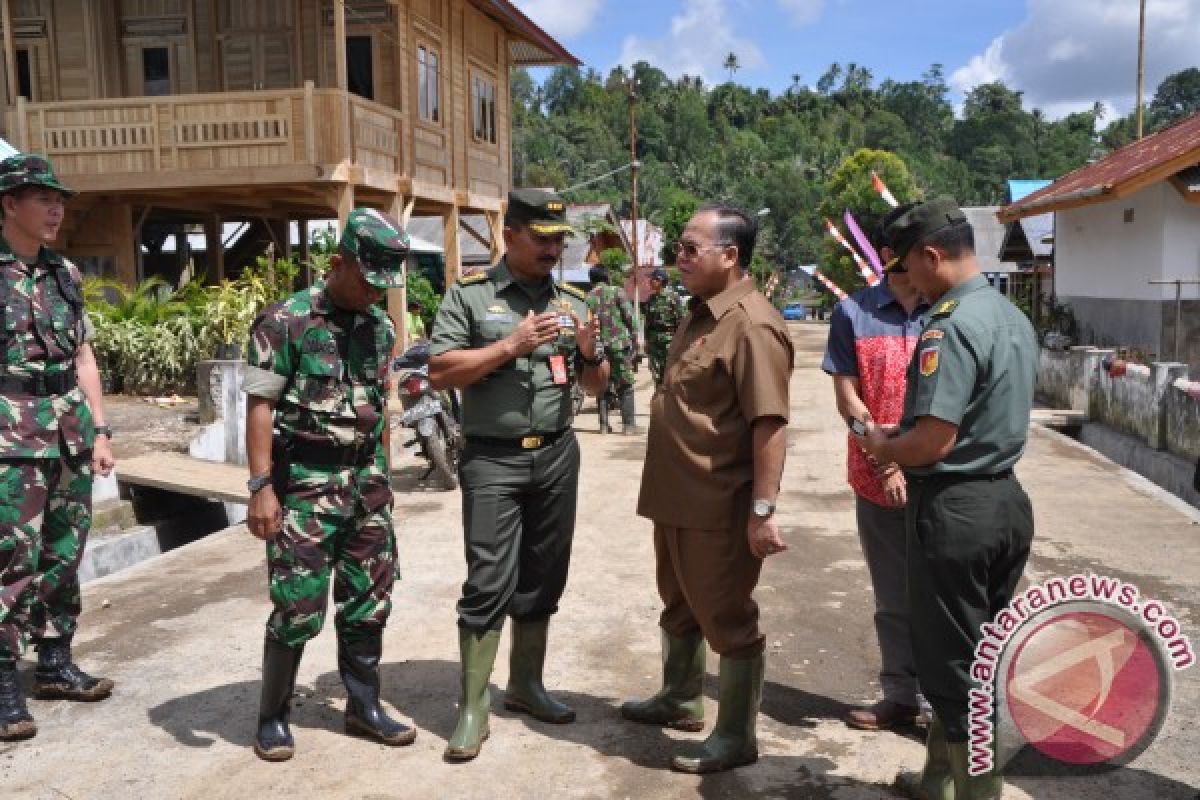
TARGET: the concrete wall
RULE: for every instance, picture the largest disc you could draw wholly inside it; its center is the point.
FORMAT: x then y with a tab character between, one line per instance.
1182	418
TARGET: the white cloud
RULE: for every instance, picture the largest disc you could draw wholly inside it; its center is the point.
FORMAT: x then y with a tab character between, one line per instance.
562	20
1068	54
700	38
803	12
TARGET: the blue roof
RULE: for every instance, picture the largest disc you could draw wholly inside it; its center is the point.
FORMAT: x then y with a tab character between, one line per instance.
1022	188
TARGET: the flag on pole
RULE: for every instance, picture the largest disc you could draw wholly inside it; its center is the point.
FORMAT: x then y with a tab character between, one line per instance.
864	244
881	187
830	285
867	273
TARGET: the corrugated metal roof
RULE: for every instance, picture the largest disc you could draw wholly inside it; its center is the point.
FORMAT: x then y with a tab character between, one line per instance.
1153	158
532	45
430	232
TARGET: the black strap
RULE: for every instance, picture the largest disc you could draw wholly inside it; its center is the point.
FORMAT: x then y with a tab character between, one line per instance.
323	454
948	478
39	385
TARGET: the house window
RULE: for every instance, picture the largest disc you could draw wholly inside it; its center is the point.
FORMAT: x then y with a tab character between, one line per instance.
156	71
428	84
360	66
24	74
483	103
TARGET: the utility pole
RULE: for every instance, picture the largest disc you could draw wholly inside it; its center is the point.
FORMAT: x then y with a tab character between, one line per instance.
1177	351
1141	67
631	88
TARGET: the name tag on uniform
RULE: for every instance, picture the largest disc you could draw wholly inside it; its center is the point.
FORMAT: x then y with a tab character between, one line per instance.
558	369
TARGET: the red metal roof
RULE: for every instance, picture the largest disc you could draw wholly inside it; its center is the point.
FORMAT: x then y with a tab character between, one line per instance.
533	47
1150	159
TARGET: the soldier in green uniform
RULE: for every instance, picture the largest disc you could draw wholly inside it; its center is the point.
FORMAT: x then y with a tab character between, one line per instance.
317	441
661	313
969	523
514	341
618	337
52	441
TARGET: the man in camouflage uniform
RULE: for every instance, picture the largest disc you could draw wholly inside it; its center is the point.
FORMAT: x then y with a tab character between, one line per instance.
51	410
317	441
618	336
661	313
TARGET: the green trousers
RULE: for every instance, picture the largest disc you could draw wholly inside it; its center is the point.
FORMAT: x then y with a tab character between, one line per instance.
968	540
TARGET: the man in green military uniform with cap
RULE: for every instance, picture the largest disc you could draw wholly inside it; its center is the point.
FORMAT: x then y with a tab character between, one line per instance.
515	341
661	313
317	441
969	524
52	441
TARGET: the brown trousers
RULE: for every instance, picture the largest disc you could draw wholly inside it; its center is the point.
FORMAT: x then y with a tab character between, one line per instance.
706	580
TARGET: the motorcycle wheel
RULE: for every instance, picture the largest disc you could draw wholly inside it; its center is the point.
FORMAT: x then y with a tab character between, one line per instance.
443	469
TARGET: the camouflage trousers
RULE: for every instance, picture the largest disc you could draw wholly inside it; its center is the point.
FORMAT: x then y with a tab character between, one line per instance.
656	353
622	370
358	552
45	515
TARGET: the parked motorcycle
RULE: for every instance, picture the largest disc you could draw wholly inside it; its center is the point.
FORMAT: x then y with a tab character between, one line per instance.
432	415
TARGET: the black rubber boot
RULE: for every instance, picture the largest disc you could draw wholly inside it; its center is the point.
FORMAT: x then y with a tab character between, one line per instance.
629	424
602	410
273	741
15	719
57	676
358	664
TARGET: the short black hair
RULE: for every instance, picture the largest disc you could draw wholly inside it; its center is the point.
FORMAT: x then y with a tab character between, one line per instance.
735	227
956	240
598	274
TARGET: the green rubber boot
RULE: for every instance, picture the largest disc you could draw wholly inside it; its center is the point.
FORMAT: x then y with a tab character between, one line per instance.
732	742
526	692
988	786
680	702
934	781
478	653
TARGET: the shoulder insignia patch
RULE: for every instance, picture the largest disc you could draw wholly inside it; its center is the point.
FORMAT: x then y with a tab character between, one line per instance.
469	280
946	308
934	334
572	290
929	361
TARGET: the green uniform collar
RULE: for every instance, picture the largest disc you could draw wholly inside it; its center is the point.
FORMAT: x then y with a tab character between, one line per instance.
502	278
974	283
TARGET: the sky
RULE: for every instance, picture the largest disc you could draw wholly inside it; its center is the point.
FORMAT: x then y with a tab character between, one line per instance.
1063	54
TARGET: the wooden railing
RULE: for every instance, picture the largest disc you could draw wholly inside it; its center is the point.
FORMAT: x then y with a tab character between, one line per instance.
228	130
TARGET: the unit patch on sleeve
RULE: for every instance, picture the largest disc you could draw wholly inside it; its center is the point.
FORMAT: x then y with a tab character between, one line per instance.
929	361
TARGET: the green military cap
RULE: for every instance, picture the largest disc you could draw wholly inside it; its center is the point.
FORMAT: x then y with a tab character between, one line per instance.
891	216
920	222
379	244
23	169
541	210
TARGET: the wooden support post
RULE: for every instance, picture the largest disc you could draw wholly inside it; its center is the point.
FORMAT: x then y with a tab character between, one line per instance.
214	247
496	229
10	52
397	299
305	267
450	244
125	249
339	44
345	205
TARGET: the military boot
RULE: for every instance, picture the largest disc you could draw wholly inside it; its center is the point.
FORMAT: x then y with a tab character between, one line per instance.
680	702
733	742
358	664
273	740
988	786
15	720
602	409
629	424
934	781
57	676
525	691
478	653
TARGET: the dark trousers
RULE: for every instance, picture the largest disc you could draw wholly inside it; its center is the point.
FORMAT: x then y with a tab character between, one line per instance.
968	541
706	580
881	530
518	520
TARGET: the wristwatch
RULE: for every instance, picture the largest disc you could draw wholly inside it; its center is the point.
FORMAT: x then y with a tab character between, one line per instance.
763	508
104	430
258	482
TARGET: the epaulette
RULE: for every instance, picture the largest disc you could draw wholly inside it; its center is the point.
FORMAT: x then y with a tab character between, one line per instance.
569	289
478	277
945	309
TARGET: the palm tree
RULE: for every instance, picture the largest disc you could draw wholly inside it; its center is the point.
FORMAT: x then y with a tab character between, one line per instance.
732	64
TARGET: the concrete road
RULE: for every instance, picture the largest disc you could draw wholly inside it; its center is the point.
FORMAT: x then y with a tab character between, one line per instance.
182	637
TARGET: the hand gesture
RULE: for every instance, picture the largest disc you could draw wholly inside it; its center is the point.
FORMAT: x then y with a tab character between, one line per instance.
533	332
763	537
102	457
264	517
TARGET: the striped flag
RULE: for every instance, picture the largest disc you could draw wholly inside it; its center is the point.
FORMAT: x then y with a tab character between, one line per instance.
864	244
830	285
881	187
867	273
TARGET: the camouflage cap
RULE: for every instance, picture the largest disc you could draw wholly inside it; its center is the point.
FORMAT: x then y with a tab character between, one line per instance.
379	244
541	210
23	169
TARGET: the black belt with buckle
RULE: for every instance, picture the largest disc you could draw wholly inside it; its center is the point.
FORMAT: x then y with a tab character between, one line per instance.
320	454
948	478
534	441
39	385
